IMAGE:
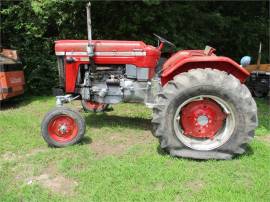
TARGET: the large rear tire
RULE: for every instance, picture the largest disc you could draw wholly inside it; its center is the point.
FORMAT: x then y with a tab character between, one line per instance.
62	127
204	114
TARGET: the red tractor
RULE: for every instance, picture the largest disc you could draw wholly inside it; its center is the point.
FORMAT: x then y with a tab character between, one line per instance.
201	108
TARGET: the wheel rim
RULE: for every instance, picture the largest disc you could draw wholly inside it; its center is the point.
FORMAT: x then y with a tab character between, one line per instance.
95	106
63	128
204	122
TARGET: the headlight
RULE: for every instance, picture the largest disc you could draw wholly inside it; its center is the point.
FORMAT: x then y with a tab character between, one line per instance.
245	61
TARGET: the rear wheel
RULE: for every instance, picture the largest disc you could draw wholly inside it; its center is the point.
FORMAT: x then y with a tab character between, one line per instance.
259	93
90	106
205	114
62	127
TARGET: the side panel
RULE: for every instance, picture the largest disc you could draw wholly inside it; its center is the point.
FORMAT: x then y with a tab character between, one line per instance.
214	62
71	75
262	67
11	84
11	74
71	70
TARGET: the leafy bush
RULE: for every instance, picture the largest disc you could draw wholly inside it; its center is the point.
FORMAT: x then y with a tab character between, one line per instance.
31	26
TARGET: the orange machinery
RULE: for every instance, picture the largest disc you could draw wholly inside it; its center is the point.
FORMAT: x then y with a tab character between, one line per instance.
11	75
259	80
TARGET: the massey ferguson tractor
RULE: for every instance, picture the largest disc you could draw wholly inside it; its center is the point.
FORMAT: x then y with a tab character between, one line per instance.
201	108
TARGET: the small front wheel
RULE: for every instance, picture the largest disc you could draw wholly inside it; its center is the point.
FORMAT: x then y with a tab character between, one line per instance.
62	127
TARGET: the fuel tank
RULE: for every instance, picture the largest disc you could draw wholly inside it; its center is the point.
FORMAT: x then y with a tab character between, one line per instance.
111	52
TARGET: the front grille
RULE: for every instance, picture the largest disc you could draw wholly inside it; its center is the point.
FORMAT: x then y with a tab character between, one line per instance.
61	71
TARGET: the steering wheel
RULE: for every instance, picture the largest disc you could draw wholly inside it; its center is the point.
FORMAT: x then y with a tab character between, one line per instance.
162	40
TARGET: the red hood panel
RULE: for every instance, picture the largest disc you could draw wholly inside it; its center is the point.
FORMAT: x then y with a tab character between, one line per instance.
100	45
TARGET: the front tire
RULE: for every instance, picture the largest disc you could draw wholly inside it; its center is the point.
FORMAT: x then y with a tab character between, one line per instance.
62	127
204	114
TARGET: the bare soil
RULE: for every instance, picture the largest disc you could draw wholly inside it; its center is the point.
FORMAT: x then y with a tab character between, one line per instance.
117	144
265	138
195	185
38	150
10	156
51	179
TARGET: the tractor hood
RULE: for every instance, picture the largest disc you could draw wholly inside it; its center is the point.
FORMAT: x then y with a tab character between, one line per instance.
110	52
79	46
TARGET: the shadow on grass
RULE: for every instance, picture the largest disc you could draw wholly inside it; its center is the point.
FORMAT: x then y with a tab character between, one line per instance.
105	120
161	151
249	152
17	102
264	112
85	140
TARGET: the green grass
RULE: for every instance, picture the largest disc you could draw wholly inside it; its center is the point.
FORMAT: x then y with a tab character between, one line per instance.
119	160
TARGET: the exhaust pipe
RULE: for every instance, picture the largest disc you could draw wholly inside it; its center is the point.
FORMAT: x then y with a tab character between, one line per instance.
259	56
90	47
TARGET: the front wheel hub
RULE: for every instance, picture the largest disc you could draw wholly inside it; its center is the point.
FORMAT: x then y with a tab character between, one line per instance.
202	118
62	128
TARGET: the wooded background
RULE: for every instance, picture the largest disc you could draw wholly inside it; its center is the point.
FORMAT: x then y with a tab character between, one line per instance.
235	28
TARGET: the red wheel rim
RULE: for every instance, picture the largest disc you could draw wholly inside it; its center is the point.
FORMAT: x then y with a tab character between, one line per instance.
94	105
62	128
202	118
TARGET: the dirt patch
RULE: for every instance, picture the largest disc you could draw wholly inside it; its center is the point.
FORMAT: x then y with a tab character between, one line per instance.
116	144
159	186
52	180
265	138
23	171
195	185
178	198
35	151
8	156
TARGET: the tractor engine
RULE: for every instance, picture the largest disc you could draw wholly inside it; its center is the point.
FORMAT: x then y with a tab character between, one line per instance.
112	84
118	71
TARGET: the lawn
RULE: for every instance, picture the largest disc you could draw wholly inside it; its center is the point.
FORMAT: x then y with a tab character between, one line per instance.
120	160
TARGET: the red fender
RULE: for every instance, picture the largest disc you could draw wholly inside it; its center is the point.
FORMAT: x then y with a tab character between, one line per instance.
185	60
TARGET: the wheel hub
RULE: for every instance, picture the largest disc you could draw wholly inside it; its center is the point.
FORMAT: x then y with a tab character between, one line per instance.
202	118
62	128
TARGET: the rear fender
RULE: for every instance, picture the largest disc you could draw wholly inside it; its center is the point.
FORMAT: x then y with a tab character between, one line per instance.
214	62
